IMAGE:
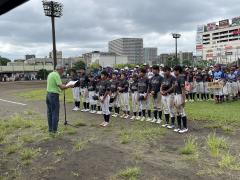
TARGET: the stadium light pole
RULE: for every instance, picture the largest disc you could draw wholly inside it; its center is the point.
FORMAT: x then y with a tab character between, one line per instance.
176	37
54	10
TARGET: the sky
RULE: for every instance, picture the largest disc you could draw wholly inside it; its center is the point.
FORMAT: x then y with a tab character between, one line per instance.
88	25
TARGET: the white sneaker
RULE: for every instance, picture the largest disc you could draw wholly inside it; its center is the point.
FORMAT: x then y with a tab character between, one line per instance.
87	110
122	116
177	130
165	125
99	112
83	110
133	118
153	120
183	131
126	116
170	126
149	119
143	119
159	121
105	124
115	115
94	111
138	118
76	109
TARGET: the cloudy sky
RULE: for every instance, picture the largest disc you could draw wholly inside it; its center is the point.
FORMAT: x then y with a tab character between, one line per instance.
89	24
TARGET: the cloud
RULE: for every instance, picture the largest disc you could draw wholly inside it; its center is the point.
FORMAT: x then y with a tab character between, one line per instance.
89	24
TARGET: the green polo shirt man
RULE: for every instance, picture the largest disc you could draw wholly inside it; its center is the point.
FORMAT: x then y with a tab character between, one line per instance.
54	88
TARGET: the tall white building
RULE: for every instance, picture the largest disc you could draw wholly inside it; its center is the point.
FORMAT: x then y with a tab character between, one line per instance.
130	47
149	54
219	41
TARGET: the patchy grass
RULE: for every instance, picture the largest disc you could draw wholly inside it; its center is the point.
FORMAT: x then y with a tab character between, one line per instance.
215	144
128	174
79	124
229	162
137	155
79	145
59	152
190	147
140	133
11	149
27	154
69	130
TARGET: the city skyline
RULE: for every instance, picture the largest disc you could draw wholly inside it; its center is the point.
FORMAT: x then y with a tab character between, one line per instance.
89	25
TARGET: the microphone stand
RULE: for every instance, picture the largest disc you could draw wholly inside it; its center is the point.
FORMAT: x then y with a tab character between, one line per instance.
65	112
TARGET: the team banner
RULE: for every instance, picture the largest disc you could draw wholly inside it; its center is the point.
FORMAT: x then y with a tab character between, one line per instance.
215	85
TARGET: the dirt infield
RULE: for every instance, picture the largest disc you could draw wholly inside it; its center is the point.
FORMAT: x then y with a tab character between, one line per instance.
90	152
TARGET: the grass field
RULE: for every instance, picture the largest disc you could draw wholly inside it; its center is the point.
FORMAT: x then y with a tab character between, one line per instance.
228	113
125	150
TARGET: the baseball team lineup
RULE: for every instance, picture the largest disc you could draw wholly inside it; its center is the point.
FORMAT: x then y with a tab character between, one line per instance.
155	94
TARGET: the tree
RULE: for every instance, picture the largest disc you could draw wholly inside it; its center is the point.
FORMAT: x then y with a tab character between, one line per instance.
171	62
4	61
79	65
121	66
42	74
94	66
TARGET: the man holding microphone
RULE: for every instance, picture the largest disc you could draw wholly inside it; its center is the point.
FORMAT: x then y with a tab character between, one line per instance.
54	88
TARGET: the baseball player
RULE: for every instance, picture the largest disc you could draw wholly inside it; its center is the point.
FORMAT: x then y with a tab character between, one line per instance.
92	93
135	96
115	94
104	98
124	96
167	92
144	100
154	91
76	91
179	100
83	79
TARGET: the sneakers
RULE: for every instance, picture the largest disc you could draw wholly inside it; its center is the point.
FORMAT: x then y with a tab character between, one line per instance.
165	125
177	130
126	116
122	116
149	119
115	115
153	120
83	110
87	110
170	126
104	124
76	109
138	118
142	119
158	121
94	111
133	118
99	112
183	131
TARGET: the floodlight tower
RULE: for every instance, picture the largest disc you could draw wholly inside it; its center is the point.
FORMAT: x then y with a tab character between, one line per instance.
54	10
176	37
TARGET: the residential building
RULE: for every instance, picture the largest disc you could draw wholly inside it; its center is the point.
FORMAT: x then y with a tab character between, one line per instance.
130	47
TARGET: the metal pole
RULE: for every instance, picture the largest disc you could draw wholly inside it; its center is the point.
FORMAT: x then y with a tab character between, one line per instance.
176	50
53	38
